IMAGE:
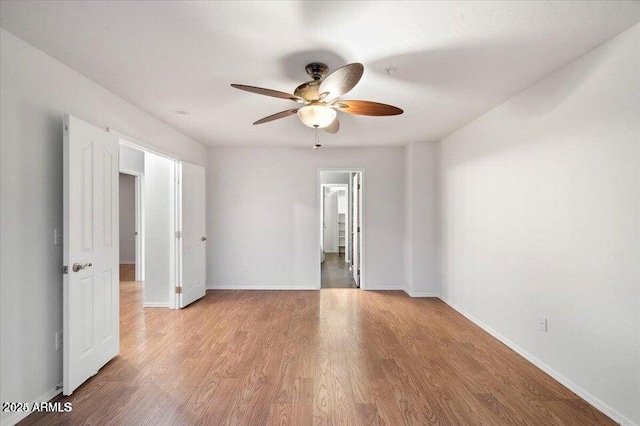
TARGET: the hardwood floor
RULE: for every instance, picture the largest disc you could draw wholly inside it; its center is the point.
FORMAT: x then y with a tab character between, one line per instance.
337	356
128	273
335	272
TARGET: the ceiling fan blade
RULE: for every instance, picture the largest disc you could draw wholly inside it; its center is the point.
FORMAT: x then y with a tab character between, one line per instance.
367	108
268	92
342	80
333	127
277	116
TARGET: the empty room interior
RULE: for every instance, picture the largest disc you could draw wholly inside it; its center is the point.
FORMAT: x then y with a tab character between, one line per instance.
320	213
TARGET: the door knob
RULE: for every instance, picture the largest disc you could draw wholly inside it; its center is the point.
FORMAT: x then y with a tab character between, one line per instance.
204	238
78	267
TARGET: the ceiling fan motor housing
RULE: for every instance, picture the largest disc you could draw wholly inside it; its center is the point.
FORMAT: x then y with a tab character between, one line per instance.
309	90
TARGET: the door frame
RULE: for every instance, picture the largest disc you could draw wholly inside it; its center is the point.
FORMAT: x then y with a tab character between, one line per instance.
131	142
139	220
319	200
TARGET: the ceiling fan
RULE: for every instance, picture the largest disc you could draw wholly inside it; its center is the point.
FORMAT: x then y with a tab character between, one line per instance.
320	97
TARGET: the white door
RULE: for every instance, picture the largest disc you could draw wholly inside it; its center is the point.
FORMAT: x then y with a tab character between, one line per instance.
356	228
193	234
91	253
330	221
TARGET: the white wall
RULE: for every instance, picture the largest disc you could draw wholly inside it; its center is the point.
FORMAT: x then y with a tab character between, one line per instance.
334	177
263	211
35	92
159	238
540	208
131	160
421	223
127	219
342	201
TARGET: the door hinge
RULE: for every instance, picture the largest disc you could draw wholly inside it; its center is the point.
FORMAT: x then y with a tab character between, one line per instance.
178	290
358	186
358	272
358	229
65	270
178	234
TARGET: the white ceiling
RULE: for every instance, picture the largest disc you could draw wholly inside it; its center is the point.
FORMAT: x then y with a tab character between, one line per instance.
453	61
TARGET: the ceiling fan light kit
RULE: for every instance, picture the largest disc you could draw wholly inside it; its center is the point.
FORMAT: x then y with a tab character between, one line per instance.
318	116
320	97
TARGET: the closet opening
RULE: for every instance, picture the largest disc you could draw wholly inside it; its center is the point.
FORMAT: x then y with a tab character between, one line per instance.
341	228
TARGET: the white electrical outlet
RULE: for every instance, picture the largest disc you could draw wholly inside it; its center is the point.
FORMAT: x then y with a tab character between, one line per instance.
245	267
57	237
58	340
542	324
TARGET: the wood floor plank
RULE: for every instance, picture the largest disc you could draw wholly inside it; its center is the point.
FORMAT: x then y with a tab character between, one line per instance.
335	356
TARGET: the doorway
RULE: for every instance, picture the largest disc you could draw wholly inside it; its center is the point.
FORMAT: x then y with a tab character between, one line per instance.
340	228
131	283
130	267
157	223
171	228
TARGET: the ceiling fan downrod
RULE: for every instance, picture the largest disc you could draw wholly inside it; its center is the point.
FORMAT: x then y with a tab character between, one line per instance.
317	70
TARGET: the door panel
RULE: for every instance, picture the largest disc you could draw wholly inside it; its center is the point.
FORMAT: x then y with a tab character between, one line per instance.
91	291
105	204
107	301
87	197
193	234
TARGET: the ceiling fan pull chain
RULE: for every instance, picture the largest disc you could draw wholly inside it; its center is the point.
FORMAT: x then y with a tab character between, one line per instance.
317	145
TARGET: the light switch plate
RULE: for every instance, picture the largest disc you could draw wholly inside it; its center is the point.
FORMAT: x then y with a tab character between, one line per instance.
542	324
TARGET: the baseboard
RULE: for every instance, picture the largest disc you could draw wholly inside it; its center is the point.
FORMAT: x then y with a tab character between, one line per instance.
122	262
155	304
260	287
275	287
14	418
383	288
582	393
418	294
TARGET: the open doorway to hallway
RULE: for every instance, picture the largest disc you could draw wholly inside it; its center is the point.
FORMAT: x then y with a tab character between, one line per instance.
132	235
170	225
130	268
340	229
